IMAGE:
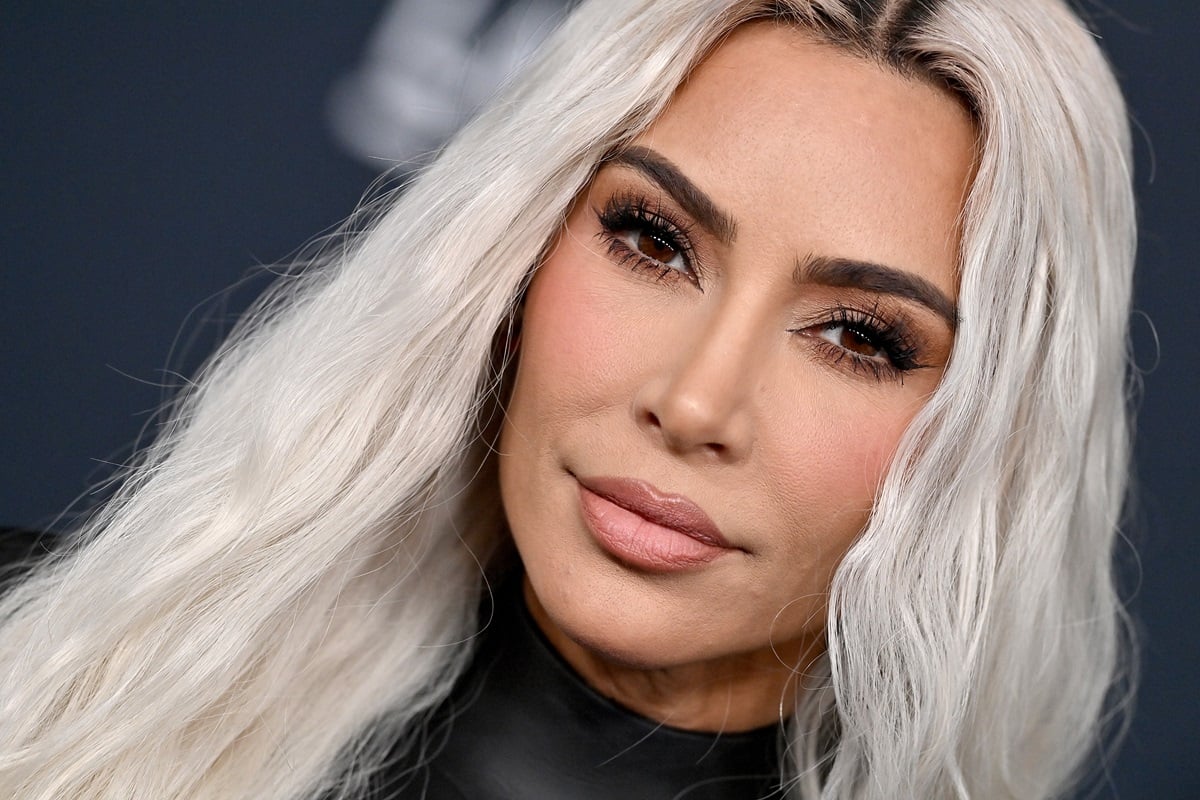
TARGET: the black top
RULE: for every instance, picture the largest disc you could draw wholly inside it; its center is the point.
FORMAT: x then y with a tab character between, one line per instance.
522	725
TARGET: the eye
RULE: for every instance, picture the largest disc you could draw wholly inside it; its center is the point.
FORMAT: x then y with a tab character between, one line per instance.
856	340
656	245
868	343
646	237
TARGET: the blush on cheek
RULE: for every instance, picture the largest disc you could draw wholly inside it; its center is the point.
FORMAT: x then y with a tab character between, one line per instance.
877	443
847	459
574	333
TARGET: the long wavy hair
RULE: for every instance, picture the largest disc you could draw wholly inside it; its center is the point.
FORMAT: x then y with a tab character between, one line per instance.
286	580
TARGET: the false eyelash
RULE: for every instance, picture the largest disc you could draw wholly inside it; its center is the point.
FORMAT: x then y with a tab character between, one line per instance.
629	212
892	339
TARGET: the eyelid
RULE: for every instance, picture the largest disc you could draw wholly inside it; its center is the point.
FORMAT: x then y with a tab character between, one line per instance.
903	347
631	183
890	324
652	210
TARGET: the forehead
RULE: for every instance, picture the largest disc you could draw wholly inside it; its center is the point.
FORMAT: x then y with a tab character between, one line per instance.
823	151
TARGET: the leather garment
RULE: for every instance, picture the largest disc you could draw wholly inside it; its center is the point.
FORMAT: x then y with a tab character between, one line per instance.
522	725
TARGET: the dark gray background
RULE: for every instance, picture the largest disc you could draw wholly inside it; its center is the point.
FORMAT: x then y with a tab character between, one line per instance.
154	153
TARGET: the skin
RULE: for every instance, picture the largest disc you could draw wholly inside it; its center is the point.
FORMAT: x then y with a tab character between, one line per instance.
717	376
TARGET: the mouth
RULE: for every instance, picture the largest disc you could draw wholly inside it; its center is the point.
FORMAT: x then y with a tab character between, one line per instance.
649	529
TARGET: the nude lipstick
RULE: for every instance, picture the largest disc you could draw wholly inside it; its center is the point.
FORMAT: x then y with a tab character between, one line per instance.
648	529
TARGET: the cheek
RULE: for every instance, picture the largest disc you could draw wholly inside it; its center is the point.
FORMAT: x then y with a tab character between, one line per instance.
828	461
574	339
865	437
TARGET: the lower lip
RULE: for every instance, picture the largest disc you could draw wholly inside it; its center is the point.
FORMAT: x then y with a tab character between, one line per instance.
638	542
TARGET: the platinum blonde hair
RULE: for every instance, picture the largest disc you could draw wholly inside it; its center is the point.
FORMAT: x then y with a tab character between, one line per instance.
286	581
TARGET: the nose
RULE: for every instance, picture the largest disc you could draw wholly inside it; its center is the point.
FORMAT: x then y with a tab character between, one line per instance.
699	401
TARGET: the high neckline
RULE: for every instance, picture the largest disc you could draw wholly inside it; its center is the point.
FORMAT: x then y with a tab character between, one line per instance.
521	724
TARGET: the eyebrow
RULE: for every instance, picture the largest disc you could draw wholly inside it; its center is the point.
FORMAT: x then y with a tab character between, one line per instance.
879	279
695	202
823	270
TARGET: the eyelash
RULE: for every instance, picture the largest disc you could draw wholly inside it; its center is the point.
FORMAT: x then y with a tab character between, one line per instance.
891	338
626	213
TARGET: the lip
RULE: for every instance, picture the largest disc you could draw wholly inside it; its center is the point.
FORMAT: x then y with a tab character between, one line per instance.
648	528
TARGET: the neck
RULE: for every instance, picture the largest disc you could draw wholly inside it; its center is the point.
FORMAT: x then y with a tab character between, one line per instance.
736	692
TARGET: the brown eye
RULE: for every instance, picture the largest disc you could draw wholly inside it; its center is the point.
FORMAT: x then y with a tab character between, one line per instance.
850	339
857	342
655	247
647	239
866	343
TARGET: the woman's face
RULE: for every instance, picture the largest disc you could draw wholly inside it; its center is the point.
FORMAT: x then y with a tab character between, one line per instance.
741	315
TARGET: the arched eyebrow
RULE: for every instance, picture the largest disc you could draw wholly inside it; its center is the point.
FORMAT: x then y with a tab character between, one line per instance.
688	195
824	270
879	279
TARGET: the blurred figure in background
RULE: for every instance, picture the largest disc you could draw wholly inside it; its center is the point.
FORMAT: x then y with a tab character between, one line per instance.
429	66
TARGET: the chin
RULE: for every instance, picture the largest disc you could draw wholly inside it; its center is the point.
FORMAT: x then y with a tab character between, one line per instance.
624	618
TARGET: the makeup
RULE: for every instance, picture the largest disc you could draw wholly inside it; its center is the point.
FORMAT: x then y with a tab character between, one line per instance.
861	333
740	316
648	529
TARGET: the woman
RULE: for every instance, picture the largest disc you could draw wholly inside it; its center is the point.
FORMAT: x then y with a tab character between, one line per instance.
784	343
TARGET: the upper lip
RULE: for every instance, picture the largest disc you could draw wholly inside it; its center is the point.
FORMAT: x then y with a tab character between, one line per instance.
669	510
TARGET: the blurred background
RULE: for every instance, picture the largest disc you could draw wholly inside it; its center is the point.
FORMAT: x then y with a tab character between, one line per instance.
156	157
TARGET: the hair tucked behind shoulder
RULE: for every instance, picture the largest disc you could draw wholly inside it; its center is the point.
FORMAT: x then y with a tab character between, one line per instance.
286	580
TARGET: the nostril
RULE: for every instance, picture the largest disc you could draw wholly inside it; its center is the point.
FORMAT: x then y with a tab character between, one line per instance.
652	419
687	419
